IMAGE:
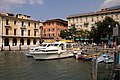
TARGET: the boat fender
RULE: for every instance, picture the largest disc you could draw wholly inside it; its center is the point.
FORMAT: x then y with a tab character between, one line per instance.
59	52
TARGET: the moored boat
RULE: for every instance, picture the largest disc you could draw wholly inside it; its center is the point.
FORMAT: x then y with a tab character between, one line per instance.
56	51
43	46
109	60
106	58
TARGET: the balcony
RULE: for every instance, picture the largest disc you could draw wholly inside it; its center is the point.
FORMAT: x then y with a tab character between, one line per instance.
35	28
7	26
23	27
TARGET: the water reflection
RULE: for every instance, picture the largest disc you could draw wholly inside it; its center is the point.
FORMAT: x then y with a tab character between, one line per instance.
16	66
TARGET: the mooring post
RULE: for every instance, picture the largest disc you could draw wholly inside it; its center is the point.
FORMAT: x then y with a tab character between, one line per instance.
94	69
2	48
20	47
9	48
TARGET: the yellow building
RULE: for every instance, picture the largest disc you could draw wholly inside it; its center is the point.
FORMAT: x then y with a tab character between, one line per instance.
19	29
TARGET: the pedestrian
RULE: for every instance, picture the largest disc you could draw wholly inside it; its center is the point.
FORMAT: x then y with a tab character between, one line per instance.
102	44
108	44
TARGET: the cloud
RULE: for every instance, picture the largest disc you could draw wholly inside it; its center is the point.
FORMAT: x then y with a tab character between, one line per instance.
6	5
110	3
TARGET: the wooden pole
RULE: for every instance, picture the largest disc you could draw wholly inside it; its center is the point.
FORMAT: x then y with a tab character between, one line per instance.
94	69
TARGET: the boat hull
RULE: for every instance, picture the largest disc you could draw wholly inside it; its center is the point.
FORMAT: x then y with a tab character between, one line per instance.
51	56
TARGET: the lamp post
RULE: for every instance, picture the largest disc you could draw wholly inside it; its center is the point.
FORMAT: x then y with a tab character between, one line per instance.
109	37
2	34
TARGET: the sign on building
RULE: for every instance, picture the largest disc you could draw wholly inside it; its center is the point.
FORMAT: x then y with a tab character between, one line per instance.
116	31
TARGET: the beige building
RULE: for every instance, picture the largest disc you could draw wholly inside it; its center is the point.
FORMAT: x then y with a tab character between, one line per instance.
18	29
88	20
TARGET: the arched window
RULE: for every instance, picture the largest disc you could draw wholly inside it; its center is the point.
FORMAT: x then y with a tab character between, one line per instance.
6	42
14	41
22	41
34	41
28	41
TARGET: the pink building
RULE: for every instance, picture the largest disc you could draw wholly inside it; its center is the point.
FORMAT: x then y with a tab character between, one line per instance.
51	28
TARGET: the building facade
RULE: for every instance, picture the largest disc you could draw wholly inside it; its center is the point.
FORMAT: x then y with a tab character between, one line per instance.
52	28
88	20
18	30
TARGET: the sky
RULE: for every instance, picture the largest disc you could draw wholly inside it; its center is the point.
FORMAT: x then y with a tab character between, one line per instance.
53	9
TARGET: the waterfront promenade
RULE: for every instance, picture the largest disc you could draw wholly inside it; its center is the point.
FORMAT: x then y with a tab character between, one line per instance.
87	48
16	48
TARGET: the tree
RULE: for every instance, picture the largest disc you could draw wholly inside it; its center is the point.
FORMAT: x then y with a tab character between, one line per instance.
68	33
72	30
103	29
64	33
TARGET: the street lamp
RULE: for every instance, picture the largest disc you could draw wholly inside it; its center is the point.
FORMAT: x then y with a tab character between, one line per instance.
2	34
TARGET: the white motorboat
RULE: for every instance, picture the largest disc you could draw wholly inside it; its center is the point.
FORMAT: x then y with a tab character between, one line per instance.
109	60
105	58
57	51
102	58
43	46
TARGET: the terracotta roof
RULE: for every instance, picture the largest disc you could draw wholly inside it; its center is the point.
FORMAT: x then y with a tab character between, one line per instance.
56	20
103	11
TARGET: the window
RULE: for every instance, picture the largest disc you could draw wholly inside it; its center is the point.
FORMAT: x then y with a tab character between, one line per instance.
49	35
7	22
97	18
81	20
52	23
77	20
22	41
34	33
102	17
48	30
34	41
28	41
44	34
116	17
44	30
28	23
53	35
15	22
22	23
53	29
7	31
22	32
112	16
92	19
14	31
35	25
28	32
86	19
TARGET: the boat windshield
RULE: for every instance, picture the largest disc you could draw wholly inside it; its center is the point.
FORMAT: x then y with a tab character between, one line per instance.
44	45
56	44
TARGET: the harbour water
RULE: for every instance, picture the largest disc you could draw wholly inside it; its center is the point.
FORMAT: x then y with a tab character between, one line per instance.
14	65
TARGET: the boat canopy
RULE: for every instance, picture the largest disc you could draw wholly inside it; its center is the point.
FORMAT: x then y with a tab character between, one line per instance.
69	41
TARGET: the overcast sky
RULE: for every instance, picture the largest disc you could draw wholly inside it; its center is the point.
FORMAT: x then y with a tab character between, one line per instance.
51	9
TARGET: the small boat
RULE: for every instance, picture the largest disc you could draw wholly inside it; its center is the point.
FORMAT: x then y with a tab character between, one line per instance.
56	51
87	55
109	60
105	58
43	46
102	58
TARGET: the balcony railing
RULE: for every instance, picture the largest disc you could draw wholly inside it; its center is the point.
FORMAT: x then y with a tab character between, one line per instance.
8	26
35	28
23	27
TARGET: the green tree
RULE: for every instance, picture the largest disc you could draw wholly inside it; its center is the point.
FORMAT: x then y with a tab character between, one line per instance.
64	34
103	28
72	30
